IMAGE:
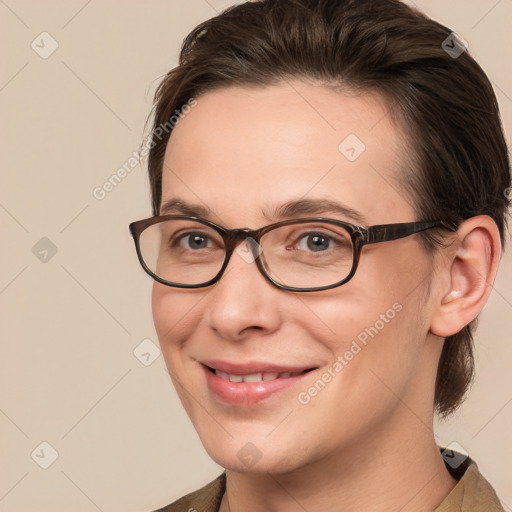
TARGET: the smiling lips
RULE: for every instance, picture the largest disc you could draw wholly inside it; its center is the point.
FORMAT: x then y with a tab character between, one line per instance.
250	383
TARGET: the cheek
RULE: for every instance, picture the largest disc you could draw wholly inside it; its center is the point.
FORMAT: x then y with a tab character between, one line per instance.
373	354
375	326
174	316
356	329
175	319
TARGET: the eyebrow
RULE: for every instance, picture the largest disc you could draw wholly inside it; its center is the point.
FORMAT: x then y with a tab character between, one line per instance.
315	207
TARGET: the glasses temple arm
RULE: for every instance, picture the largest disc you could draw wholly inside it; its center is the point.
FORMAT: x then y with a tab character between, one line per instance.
388	232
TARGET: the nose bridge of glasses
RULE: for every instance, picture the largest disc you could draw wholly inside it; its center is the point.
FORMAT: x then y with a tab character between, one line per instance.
234	237
244	242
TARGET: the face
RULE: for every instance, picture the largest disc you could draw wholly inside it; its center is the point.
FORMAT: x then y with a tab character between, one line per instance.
242	153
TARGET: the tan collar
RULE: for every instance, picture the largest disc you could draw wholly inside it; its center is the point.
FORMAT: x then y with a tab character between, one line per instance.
472	493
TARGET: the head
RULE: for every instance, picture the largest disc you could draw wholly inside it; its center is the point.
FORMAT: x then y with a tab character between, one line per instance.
281	96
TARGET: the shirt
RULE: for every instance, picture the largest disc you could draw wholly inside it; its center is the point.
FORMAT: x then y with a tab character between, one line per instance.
472	493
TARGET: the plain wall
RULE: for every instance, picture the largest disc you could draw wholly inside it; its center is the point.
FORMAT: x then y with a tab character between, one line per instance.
74	302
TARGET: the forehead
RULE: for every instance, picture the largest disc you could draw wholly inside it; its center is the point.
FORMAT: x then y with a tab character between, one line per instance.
246	151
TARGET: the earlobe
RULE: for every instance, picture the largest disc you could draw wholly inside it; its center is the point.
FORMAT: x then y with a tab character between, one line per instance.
472	269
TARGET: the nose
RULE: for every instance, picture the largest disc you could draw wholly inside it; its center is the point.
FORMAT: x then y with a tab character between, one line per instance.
243	301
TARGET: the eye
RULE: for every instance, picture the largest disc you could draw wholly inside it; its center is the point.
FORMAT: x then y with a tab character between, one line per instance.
309	239
192	240
315	242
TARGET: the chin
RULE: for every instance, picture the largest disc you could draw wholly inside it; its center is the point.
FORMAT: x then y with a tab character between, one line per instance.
254	458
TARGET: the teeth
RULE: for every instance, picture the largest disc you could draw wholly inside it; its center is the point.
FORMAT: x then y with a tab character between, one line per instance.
222	375
255	377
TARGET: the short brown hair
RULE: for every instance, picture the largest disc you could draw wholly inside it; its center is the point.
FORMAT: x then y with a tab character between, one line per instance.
445	104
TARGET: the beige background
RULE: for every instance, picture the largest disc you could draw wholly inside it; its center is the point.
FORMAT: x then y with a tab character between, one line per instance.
70	323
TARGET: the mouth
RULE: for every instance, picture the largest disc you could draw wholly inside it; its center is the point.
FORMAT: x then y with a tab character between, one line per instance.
258	376
250	384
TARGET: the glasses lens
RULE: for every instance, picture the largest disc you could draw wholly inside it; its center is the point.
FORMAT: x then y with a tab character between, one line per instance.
182	251
308	255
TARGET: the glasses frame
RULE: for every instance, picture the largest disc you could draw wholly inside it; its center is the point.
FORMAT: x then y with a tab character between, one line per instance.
360	236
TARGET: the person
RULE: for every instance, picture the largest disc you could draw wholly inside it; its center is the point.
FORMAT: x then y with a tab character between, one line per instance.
327	184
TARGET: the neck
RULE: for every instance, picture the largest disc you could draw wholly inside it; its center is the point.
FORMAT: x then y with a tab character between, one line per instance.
404	472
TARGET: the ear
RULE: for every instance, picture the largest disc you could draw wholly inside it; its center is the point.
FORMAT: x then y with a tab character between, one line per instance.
470	271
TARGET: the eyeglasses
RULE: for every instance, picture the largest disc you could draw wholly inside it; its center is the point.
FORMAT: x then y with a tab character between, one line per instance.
298	255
